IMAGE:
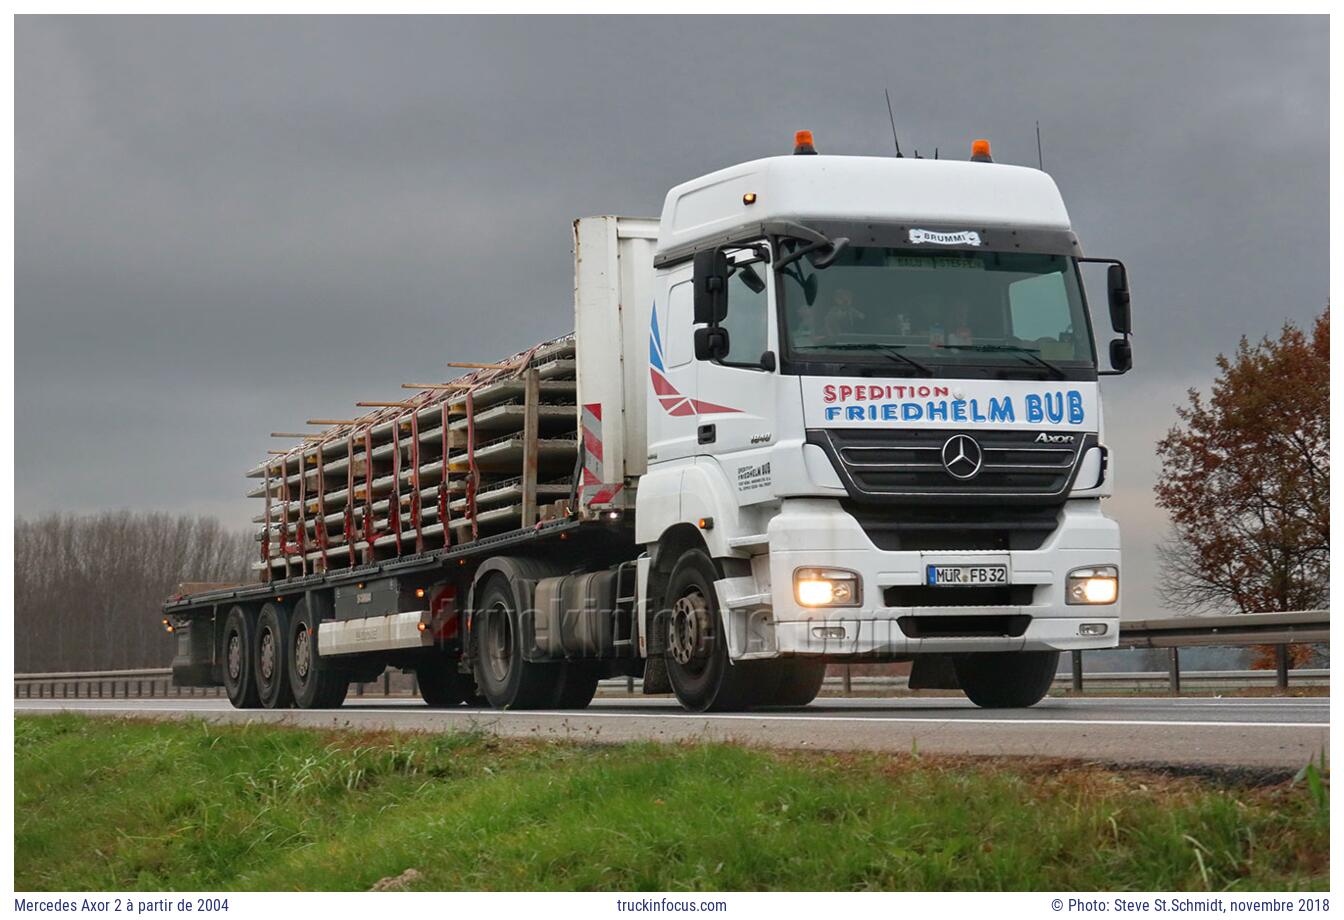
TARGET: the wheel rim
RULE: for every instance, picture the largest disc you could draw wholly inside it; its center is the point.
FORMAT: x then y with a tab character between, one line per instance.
267	657
498	642
688	631
235	657
302	653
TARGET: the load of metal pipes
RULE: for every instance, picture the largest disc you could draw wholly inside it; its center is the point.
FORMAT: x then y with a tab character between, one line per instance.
389	483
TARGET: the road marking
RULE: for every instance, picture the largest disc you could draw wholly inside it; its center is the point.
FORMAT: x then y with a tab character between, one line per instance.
683	716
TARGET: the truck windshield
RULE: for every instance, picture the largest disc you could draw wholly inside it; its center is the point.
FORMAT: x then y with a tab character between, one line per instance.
934	312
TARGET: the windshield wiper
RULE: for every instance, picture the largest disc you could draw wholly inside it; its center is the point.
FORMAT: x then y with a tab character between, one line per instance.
1032	356
891	351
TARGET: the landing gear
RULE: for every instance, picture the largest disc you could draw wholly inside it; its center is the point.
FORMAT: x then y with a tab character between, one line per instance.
442	685
240	682
1006	680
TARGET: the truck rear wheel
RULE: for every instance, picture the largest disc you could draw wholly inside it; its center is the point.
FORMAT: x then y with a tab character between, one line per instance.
269	657
697	650
1006	680
316	682
503	676
239	681
441	685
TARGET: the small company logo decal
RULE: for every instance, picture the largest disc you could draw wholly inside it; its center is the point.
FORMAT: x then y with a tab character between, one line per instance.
958	238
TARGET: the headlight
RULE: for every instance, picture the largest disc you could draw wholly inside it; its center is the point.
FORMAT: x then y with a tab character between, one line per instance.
826	588
1098	584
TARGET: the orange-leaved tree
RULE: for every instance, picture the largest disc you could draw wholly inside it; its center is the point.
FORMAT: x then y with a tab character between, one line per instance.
1246	481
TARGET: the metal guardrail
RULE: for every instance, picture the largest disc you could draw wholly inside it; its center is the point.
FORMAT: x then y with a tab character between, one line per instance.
1174	633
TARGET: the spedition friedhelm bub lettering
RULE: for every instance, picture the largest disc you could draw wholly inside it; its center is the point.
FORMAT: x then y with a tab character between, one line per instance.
936	404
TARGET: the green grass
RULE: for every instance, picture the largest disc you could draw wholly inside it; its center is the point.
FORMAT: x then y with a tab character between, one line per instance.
108	805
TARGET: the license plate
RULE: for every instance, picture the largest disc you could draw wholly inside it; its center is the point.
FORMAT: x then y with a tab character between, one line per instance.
964	576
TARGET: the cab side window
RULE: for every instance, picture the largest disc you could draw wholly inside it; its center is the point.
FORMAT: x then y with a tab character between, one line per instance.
748	320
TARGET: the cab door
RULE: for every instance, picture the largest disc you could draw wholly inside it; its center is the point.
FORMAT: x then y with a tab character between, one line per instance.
735	393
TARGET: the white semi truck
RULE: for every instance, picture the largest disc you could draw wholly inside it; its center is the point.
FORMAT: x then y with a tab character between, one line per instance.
824	410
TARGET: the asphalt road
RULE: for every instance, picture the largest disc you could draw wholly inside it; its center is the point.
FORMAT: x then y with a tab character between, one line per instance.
1281	733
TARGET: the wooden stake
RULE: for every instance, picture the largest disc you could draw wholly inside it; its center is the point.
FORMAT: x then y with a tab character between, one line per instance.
296	434
331	421
493	367
376	404
437	386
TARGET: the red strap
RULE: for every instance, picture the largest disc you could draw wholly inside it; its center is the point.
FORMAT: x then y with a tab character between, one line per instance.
350	497
301	533
472	474
321	523
370	531
415	481
266	529
443	477
284	511
394	500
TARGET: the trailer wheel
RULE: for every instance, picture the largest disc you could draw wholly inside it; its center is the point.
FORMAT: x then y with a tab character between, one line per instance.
236	650
269	657
316	682
441	685
503	676
697	650
1006	680
800	681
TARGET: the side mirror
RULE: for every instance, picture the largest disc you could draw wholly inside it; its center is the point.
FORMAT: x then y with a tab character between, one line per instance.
711	343
1117	286
768	362
1122	355
711	288
751	279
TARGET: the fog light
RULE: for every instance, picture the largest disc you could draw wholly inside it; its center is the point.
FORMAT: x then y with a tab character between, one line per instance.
1092	629
828	632
826	587
1099	584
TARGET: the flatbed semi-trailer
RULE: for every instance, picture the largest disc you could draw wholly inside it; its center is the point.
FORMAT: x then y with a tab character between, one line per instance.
824	409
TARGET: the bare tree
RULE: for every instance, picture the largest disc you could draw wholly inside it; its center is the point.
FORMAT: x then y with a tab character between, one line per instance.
87	589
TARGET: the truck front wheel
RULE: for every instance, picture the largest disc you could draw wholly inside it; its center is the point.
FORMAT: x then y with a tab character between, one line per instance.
239	681
697	650
1006	680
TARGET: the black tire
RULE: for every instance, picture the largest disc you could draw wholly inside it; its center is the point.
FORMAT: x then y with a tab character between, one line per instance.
1006	680
268	657
240	683
315	681
578	685
503	677
698	668
442	685
800	681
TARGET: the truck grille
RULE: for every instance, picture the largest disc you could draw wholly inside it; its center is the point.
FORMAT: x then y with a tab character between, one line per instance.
885	465
954	527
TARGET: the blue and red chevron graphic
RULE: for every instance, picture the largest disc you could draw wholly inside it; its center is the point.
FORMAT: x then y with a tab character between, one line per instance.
674	403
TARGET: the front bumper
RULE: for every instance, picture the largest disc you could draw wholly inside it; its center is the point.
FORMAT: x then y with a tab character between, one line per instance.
819	533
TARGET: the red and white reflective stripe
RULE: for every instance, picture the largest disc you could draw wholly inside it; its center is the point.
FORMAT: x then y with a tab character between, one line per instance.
594	491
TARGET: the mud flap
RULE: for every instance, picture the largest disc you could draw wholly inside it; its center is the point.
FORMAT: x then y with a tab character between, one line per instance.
655	676
933	672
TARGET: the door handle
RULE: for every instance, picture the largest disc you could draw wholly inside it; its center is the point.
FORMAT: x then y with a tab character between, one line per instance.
705	434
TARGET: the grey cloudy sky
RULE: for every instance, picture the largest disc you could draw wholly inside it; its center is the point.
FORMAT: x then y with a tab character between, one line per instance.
225	226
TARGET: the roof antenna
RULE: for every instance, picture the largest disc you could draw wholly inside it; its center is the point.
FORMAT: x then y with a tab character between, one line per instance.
893	123
1040	161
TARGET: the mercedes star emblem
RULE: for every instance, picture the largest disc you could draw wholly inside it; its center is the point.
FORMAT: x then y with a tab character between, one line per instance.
962	456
